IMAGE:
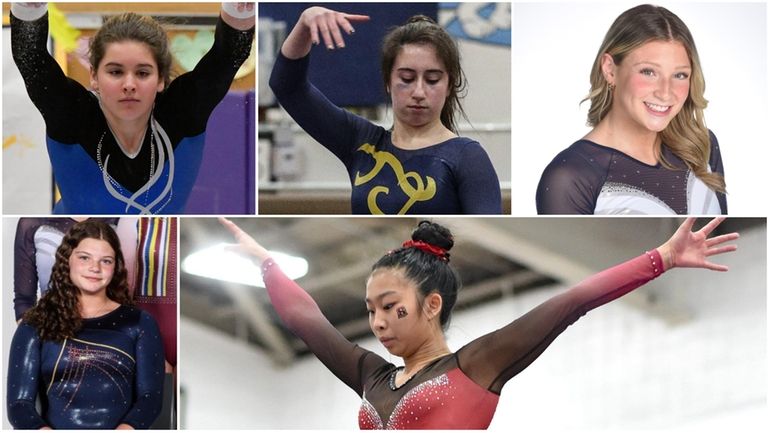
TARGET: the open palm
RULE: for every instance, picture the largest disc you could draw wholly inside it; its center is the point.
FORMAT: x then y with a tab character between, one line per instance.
688	249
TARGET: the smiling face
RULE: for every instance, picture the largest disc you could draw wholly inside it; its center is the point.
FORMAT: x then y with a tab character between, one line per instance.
419	85
127	80
651	84
92	265
397	317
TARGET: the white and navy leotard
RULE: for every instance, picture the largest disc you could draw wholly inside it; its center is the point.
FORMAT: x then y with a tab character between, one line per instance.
588	178
159	178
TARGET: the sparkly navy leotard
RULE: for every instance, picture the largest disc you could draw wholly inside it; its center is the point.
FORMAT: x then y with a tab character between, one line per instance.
459	390
109	374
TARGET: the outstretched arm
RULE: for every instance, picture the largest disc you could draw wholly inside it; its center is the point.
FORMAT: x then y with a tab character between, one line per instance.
302	316
496	357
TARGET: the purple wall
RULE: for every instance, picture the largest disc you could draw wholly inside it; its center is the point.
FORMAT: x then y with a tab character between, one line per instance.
225	183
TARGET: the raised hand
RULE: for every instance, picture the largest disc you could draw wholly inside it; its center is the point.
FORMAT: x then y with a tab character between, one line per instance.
245	243
688	249
317	24
239	16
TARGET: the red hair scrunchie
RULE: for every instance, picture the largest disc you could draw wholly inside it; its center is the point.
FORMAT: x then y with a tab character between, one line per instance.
428	248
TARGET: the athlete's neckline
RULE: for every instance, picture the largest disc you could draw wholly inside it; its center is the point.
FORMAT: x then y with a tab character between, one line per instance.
440	143
88	319
392	376
620	152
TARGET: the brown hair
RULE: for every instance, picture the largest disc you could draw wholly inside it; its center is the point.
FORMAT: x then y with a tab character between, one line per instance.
686	135
56	315
422	30
129	26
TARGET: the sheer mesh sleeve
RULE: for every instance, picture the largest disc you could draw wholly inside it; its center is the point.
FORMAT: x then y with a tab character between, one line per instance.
495	358
571	183
715	162
299	312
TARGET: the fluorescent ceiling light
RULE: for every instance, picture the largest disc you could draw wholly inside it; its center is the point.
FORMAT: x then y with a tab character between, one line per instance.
221	264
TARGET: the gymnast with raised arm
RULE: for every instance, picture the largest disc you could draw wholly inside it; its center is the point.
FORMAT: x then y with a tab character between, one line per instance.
418	166
409	296
133	143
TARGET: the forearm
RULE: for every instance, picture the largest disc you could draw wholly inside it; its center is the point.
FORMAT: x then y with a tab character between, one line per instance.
298	44
296	308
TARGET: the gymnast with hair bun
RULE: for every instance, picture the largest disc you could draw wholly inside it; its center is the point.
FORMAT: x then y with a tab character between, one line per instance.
418	166
409	296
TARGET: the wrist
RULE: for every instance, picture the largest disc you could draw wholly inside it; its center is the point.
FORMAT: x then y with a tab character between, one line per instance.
232	10
29	12
667	256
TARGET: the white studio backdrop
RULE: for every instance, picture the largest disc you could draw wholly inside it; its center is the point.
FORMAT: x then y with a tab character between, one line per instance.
554	46
621	367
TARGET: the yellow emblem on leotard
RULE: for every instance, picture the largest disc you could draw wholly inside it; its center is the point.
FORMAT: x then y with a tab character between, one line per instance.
419	191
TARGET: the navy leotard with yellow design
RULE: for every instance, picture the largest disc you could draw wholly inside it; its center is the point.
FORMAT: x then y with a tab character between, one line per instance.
451	177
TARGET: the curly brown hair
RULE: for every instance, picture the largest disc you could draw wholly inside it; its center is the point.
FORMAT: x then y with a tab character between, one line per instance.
56	315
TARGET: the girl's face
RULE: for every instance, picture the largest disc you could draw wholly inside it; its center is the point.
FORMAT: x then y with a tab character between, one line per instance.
652	84
127	79
396	316
92	265
419	85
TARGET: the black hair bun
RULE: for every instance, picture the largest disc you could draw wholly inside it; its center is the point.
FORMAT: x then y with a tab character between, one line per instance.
433	234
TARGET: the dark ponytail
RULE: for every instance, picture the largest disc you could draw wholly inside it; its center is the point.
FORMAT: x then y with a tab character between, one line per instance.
428	267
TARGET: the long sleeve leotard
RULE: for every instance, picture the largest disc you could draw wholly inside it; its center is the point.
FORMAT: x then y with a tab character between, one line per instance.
110	373
459	390
452	177
588	178
94	174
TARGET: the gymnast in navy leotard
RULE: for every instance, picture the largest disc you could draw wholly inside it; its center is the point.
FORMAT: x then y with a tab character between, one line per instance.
410	294
420	166
649	151
34	252
93	360
134	144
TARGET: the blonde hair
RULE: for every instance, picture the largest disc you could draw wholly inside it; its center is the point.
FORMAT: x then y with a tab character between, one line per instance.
686	135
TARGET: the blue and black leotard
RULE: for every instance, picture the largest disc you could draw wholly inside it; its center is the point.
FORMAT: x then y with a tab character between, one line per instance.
110	373
452	177
94	174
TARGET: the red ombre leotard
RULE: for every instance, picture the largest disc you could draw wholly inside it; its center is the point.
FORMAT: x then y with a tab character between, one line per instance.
459	390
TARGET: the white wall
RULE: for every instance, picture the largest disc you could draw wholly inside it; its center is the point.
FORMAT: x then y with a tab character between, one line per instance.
554	45
27	174
617	368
